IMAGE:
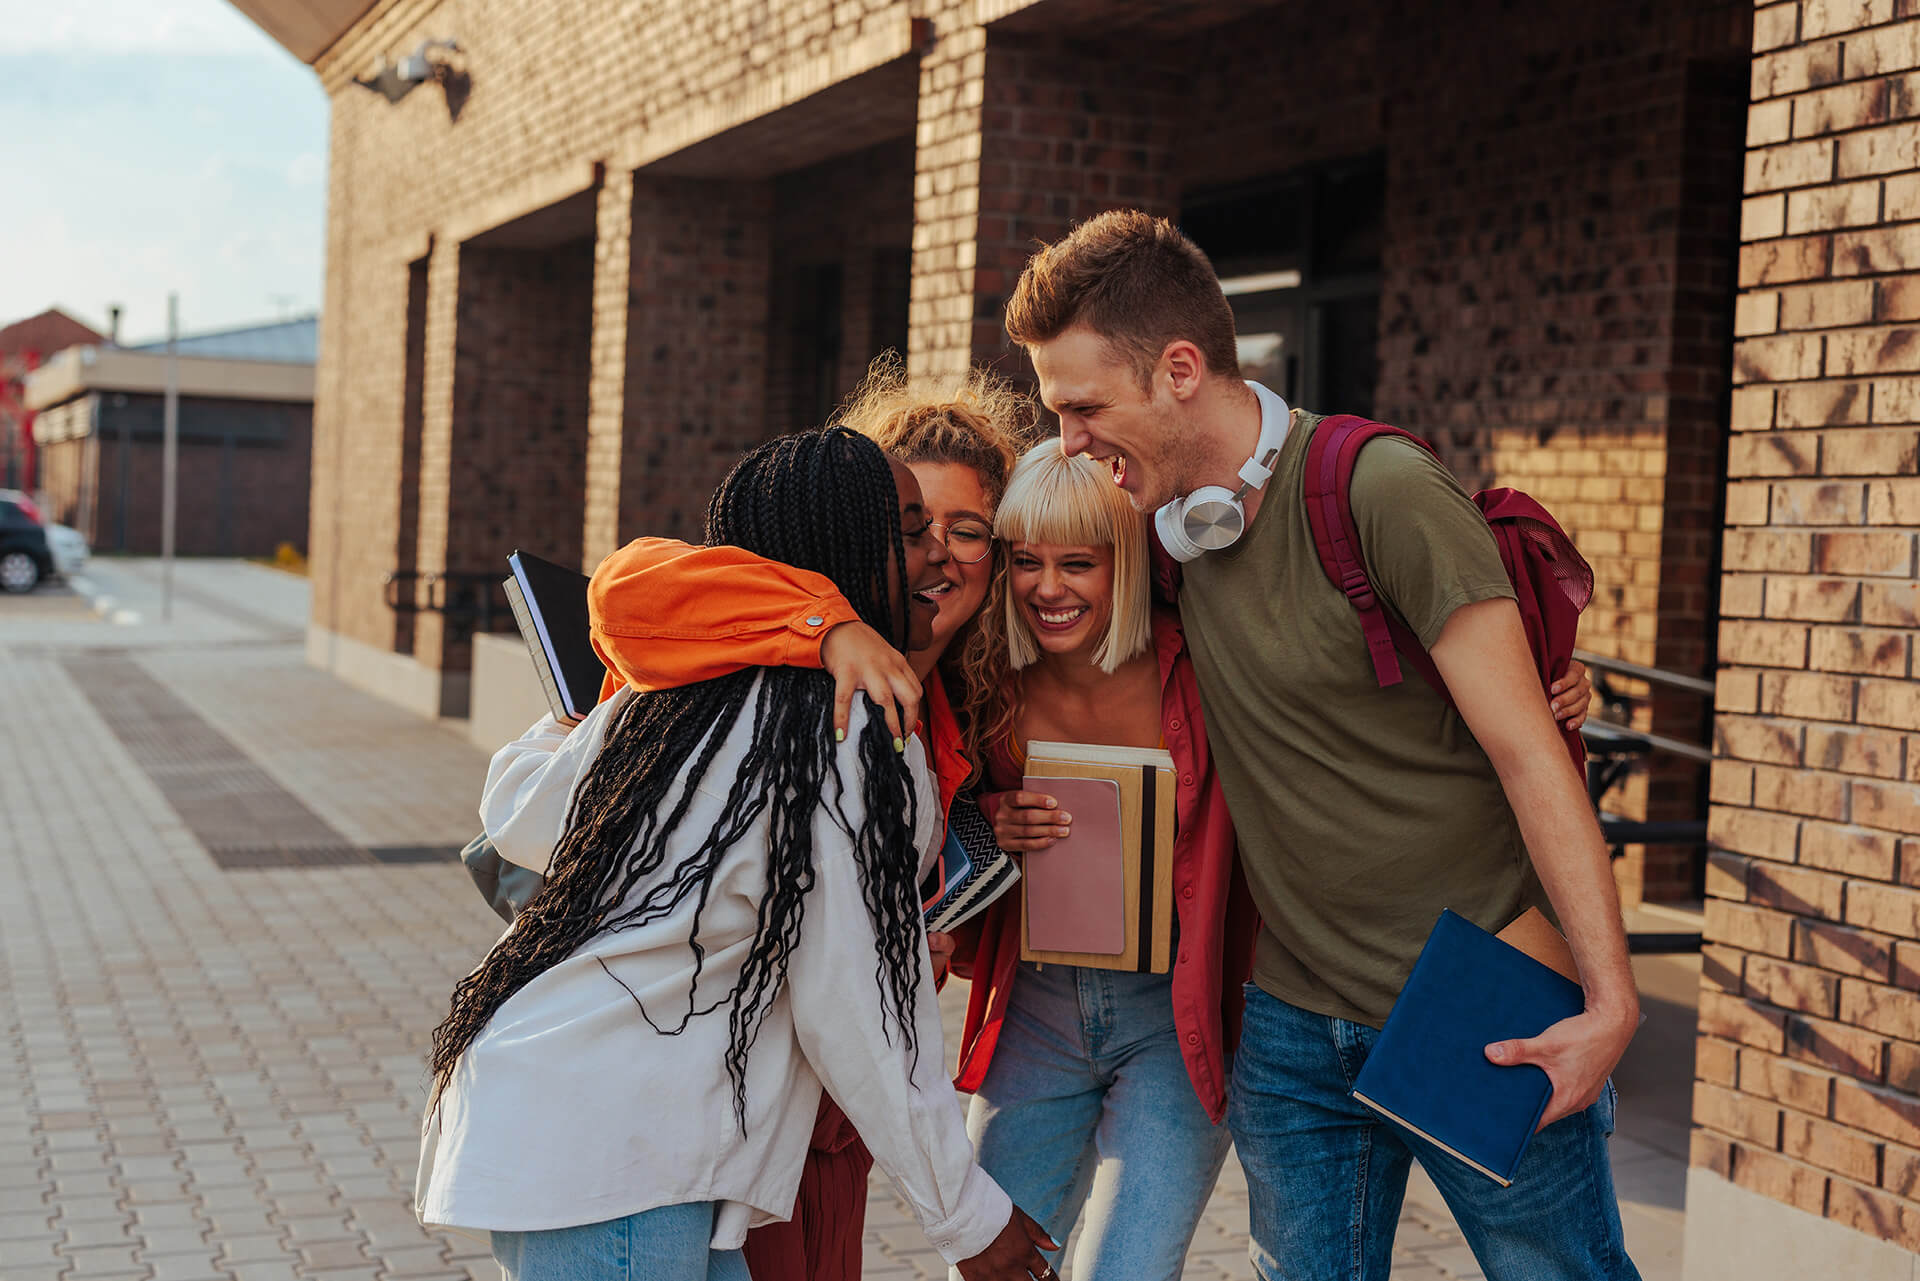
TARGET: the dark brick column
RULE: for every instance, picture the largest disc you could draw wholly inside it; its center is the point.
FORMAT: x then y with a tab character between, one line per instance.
691	346
1021	136
503	458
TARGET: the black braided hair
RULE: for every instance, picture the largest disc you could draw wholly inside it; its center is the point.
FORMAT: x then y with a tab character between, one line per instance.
819	500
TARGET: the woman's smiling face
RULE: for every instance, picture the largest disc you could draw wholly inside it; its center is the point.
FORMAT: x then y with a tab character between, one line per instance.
954	496
1064	595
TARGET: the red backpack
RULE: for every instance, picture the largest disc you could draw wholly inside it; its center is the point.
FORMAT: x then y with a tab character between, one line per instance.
1551	581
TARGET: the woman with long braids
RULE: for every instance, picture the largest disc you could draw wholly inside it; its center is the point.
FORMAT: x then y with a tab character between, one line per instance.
659	625
628	1080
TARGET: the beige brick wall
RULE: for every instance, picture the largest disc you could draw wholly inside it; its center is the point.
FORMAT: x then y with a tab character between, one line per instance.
1809	1058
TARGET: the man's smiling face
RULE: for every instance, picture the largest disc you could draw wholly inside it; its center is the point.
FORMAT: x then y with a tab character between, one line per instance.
1106	414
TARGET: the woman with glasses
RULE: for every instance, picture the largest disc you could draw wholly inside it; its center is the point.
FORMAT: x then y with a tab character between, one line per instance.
661	624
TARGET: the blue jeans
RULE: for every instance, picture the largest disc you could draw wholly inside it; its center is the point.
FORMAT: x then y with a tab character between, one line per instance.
1326	1176
1087	1108
667	1244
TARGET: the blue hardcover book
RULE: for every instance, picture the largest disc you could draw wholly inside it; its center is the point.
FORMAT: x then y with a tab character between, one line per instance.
1429	1070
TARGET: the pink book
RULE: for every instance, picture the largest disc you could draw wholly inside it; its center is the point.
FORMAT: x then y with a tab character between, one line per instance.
1076	890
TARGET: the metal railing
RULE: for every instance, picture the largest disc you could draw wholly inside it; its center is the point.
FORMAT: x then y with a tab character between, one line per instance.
470	600
1614	751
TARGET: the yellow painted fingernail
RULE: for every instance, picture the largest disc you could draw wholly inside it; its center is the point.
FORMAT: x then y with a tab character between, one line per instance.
899	744
839	736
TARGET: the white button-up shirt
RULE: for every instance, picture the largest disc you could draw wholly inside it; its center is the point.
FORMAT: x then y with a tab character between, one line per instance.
569	1108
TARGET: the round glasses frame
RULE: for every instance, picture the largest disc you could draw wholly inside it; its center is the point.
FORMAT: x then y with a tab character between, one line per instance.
944	535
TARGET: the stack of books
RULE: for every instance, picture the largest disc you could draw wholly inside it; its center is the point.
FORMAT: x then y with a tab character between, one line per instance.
1102	896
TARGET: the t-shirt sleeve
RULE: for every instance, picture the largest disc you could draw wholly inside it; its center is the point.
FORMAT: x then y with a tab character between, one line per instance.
1427	547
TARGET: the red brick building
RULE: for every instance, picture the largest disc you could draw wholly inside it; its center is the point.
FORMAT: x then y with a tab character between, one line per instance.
602	249
24	346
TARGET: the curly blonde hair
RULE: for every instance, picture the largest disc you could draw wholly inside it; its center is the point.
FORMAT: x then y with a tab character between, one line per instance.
980	421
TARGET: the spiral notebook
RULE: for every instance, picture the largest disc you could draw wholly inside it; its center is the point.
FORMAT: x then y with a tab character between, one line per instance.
972	870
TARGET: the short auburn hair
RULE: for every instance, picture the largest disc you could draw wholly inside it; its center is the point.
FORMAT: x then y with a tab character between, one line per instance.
1133	279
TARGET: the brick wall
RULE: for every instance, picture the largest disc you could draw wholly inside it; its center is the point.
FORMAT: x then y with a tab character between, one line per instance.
406	523
1555	309
1557	283
694	391
1809	1058
509	470
847	220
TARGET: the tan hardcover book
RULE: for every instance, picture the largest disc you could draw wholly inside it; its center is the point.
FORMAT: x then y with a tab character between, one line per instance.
1135	844
1531	932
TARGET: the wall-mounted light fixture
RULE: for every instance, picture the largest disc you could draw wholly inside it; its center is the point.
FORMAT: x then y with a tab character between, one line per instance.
395	80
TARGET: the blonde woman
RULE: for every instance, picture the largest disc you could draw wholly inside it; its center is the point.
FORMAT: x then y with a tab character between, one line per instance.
1100	1094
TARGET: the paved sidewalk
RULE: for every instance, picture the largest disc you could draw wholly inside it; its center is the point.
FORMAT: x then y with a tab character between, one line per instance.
229	924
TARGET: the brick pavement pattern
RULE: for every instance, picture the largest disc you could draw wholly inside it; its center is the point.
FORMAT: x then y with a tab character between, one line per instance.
217	1075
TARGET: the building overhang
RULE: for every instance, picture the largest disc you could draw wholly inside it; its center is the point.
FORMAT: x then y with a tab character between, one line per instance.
305	28
79	370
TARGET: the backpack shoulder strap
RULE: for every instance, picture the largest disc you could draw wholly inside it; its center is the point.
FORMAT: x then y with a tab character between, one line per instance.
1331	453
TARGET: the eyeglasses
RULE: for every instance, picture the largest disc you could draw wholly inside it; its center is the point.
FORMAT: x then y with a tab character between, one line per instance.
967	541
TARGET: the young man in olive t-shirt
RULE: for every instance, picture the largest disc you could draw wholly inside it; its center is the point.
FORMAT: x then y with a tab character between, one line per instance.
1361	811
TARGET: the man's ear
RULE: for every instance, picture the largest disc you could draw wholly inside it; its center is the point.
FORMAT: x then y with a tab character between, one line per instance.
1182	367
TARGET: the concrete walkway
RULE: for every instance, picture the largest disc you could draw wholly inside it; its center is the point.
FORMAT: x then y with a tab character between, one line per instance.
230	922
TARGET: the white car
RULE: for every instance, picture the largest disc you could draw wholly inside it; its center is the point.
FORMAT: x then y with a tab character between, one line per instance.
69	549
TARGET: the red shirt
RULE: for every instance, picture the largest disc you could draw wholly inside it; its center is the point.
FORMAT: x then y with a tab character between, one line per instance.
1215	911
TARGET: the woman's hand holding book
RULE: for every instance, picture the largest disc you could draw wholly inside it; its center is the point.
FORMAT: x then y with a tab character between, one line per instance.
1025	822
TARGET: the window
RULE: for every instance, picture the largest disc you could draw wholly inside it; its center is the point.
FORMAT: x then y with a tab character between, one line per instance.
1299	259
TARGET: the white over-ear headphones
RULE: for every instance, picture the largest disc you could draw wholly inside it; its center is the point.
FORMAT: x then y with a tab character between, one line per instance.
1212	517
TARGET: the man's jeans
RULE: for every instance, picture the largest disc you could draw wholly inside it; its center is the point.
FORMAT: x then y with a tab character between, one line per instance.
1326	1176
1088	1104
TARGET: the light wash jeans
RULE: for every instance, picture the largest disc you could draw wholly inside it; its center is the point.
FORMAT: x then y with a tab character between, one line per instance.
1326	1175
667	1244
1087	1108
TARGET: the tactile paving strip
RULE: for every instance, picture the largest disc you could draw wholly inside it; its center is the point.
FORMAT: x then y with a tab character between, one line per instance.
233	807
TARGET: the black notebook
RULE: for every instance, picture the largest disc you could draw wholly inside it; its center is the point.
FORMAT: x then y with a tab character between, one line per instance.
550	604
1429	1069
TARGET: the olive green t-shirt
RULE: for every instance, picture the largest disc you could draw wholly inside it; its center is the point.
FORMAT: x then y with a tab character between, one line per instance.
1361	811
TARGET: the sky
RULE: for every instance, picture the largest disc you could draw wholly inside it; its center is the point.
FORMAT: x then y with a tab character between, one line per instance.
156	145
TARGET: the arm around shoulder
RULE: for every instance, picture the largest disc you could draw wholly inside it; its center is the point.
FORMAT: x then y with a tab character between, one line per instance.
666	613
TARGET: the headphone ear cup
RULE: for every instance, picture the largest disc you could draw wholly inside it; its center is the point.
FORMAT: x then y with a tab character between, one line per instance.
1169	525
1212	518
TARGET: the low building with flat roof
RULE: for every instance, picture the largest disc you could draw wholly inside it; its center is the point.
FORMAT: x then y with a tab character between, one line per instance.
245	432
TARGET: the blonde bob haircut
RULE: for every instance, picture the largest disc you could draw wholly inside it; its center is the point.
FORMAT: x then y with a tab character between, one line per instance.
1052	498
